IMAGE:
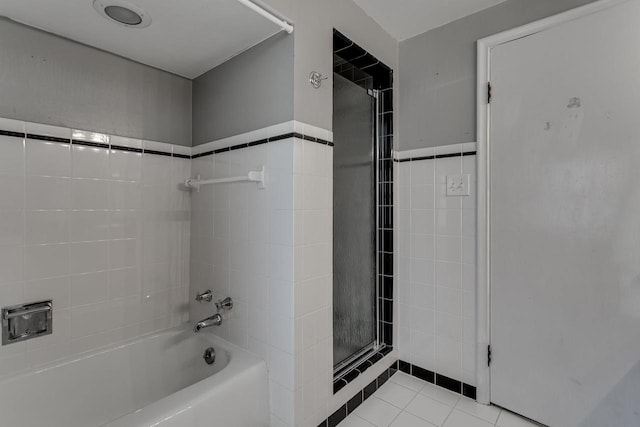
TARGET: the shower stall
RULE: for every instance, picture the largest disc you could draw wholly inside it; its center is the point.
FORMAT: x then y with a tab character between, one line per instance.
362	211
354	221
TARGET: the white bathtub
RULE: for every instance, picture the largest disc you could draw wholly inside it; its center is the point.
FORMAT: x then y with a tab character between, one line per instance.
157	380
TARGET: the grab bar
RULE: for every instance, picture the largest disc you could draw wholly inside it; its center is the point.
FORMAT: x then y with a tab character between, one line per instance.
251	176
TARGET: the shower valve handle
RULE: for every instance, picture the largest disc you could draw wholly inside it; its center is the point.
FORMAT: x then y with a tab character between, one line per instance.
205	296
226	304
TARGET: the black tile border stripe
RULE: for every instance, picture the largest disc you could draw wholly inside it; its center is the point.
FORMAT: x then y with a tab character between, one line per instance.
437	156
206	153
157	153
356	400
165	153
440	380
49	138
123	148
12	133
90	144
264	141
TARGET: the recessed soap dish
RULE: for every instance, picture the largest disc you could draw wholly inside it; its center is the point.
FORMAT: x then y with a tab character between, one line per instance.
26	321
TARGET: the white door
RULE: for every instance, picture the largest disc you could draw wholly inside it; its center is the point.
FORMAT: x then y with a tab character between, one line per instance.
564	151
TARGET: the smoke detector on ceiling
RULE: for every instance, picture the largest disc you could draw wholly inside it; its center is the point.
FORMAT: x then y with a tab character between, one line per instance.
122	13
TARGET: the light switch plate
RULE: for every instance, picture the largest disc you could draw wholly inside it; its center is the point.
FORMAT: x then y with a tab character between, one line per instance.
458	185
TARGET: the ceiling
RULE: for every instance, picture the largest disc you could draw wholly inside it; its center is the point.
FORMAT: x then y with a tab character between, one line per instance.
407	18
186	37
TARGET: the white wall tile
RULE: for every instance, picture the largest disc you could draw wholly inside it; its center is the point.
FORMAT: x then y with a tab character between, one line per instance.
90	162
423	221
43	261
422	245
436	265
125	165
87	225
87	257
89	288
48	158
13	156
47	193
449	222
47	226
89	194
125	195
124	253
70	231
422	197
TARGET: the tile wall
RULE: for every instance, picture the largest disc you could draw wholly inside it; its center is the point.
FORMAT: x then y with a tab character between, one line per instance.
270	250
313	324
436	261
98	226
242	247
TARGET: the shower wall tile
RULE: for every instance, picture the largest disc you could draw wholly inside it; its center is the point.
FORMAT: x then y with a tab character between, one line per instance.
71	223
270	250
242	246
436	263
314	282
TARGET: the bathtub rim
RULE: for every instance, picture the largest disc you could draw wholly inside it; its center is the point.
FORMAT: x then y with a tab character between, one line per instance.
64	361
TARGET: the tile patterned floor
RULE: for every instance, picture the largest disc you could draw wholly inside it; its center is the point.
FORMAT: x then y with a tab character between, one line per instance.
406	401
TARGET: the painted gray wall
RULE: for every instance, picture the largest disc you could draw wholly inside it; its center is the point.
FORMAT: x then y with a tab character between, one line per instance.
314	23
250	91
52	80
437	72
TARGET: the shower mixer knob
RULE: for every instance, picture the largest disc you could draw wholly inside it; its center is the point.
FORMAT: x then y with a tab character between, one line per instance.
205	296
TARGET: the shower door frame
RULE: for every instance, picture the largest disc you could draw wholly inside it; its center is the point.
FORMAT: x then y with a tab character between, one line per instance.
483	121
379	80
344	365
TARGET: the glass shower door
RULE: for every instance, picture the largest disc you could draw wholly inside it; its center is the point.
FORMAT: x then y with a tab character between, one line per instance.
354	221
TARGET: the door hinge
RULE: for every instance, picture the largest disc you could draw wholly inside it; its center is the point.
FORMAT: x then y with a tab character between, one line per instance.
488	355
489	94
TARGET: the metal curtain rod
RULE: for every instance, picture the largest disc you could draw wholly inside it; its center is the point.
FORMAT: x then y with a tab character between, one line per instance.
284	25
252	176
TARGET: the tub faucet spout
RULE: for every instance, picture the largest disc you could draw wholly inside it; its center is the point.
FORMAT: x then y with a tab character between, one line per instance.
215	320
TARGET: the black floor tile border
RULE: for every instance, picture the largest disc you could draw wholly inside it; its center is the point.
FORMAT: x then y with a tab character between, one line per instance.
437	156
353	371
164	153
440	380
356	400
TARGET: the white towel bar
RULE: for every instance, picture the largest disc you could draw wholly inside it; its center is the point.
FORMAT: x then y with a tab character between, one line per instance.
252	176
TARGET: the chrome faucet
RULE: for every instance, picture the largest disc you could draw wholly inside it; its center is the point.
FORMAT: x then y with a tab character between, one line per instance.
215	320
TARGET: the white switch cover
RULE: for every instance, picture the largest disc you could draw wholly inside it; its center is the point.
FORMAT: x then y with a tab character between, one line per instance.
458	185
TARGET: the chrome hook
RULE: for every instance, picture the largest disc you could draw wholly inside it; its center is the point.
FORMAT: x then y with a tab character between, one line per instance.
316	78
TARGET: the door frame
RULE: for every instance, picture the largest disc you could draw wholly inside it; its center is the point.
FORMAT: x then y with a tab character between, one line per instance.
483	117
